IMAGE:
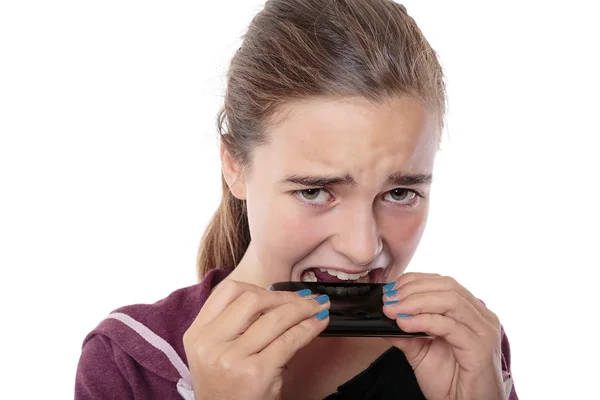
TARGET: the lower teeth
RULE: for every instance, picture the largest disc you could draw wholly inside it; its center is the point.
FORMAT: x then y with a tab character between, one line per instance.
309	276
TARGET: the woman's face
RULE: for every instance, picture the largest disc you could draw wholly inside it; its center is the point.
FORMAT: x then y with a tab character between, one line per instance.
340	185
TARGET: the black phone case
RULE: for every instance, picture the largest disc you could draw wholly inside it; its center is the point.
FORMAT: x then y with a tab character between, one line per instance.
356	309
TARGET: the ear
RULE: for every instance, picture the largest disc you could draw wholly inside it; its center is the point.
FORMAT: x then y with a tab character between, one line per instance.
233	174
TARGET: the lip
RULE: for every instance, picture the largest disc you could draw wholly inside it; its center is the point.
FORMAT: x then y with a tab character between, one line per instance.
375	274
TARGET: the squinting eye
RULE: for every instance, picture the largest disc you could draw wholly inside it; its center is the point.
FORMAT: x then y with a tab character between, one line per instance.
401	195
313	196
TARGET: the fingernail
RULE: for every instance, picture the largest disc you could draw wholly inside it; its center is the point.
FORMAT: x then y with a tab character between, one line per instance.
403	316
322	299
322	315
304	292
389	286
390	293
389	303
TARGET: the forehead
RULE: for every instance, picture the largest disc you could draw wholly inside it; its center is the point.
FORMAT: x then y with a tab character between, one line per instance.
352	136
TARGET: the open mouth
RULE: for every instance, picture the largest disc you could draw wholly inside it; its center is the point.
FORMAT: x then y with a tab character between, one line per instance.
336	276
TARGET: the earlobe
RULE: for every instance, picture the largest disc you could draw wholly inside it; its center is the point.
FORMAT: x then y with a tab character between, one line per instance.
233	174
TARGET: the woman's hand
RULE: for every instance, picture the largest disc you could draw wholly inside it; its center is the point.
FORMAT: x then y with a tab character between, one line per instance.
244	335
463	360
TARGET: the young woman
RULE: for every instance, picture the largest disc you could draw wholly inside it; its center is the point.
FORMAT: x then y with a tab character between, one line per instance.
332	119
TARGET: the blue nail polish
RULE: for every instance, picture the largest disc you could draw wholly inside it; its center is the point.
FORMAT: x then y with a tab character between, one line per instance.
403	316
322	315
389	286
304	292
391	293
322	299
389	303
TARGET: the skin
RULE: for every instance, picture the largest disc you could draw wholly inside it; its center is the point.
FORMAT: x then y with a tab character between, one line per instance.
362	220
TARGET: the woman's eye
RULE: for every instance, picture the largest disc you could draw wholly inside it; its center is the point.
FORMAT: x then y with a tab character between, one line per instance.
314	195
401	196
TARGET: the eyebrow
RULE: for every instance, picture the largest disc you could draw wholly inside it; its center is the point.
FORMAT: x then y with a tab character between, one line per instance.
396	179
319	181
404	179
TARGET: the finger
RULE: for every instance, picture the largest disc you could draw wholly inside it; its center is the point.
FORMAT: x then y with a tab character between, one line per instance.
408	277
412	283
222	296
246	309
274	323
454	333
448	303
283	348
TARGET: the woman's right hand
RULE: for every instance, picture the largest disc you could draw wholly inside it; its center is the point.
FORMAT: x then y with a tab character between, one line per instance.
239	344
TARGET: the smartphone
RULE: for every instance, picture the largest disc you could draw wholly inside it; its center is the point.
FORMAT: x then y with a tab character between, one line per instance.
356	309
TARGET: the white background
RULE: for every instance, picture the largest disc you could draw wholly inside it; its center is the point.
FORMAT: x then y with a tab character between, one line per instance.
109	172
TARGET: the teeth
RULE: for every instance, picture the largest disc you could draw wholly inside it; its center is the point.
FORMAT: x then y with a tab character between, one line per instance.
309	276
343	275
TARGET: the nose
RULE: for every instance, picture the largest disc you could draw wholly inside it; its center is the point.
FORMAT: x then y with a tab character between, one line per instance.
358	237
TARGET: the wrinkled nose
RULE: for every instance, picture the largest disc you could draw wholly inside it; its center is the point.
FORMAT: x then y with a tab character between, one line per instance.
358	237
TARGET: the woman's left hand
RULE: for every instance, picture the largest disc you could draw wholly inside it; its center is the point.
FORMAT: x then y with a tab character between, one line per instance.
463	360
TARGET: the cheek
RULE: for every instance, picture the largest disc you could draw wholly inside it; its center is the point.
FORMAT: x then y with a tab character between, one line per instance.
403	235
282	235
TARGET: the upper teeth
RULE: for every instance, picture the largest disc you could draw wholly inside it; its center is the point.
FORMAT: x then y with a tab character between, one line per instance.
343	275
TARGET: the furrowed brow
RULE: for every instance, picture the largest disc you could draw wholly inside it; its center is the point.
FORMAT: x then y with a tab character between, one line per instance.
318	181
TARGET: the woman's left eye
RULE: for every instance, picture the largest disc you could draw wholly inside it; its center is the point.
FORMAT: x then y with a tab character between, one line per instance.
401	196
313	196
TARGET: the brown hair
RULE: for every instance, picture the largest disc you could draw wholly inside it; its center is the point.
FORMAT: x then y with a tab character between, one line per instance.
295	49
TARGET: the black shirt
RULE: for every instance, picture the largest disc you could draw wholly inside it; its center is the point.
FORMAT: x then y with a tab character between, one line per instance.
389	377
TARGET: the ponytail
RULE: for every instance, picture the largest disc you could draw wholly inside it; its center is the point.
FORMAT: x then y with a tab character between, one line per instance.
227	236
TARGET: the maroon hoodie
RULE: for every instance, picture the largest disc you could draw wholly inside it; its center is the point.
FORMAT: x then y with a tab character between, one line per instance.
137	353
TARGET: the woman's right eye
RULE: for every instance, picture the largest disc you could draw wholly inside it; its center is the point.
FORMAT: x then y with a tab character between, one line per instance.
314	196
